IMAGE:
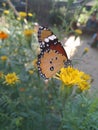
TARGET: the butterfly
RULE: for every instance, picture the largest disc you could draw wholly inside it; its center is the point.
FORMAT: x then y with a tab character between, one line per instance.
52	56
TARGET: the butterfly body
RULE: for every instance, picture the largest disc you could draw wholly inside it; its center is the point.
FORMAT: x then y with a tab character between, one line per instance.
53	56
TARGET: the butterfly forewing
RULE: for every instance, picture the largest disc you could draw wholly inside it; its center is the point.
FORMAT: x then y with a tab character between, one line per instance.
45	36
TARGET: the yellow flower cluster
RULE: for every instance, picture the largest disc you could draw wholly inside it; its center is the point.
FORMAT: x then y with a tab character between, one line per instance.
11	78
73	77
23	15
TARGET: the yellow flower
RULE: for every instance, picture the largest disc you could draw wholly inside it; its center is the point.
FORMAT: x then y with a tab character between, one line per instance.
31	72
30	14
3	35
85	51
3	58
83	85
6	12
85	76
73	77
11	78
78	31
22	14
69	73
28	32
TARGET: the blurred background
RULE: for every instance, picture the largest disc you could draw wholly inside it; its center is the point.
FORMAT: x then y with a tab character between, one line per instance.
54	12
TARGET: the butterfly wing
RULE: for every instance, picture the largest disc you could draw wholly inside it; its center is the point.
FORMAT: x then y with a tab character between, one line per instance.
48	40
45	35
50	62
53	56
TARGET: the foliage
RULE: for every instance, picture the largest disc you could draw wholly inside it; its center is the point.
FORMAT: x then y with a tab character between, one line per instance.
26	101
81	114
85	13
55	18
64	14
41	9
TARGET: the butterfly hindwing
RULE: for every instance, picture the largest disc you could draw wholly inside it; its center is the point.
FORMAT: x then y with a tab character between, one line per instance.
50	62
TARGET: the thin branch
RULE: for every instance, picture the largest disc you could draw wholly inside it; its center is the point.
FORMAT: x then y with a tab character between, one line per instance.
12	7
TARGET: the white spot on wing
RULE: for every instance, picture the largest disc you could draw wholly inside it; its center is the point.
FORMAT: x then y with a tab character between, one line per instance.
46	40
52	37
43	43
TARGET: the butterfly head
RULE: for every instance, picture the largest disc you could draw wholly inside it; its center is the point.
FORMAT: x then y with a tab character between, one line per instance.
68	63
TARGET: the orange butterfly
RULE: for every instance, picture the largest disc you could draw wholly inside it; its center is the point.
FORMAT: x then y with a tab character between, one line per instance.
53	56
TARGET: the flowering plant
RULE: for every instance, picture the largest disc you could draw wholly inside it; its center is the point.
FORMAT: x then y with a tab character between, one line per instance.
3	35
73	77
29	103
